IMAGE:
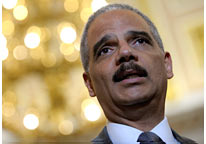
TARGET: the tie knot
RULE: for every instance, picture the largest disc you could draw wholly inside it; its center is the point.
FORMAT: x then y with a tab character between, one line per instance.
149	138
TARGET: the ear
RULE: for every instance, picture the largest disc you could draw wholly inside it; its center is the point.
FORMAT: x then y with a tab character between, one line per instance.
88	83
168	65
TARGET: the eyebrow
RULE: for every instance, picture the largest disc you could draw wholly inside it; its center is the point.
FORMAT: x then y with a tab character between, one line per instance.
137	33
100	42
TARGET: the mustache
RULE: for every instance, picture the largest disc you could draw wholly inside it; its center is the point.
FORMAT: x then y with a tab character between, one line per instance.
120	73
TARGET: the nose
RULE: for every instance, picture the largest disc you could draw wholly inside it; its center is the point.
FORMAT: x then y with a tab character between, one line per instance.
125	54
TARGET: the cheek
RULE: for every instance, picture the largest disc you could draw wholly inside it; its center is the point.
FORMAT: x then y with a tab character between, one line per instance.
105	67
100	75
155	66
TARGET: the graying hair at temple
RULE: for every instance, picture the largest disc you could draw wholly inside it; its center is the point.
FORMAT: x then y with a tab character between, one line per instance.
84	41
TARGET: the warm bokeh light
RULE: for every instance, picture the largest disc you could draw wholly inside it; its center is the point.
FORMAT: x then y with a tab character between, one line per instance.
86	102
71	5
4	52
9	4
91	110
48	60
77	46
9	96
21	2
72	57
37	53
20	52
68	35
66	49
66	127
8	109
32	110
97	4
34	29
32	40
7	27
20	12
85	14
45	34
31	121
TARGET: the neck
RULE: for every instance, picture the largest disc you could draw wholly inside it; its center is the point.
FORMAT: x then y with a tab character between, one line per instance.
145	123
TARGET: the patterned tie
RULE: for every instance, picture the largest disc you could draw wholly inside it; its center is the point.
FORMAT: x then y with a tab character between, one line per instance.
149	138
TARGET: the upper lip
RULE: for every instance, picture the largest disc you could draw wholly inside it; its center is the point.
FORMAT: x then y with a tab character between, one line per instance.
125	74
129	69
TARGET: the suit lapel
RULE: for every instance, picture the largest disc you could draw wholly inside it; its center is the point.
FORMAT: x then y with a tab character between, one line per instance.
182	140
102	138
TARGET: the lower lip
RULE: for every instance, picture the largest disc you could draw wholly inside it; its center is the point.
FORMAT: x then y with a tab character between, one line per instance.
136	80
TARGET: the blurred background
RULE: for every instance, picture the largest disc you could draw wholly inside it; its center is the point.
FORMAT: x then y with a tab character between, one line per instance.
44	98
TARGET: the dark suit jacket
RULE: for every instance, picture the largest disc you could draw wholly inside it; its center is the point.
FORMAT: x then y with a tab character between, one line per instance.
103	138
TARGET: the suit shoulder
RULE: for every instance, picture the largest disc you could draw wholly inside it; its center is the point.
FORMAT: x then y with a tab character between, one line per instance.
102	138
183	140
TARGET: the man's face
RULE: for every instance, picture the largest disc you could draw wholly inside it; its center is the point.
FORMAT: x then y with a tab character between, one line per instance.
126	65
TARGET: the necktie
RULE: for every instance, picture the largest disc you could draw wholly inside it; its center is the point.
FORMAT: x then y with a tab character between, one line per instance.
149	138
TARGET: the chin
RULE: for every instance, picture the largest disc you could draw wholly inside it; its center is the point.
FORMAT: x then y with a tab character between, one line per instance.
133	100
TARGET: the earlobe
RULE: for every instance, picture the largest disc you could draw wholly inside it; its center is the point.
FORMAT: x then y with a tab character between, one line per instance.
88	83
168	65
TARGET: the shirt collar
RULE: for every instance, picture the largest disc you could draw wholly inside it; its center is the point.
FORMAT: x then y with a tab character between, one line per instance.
120	133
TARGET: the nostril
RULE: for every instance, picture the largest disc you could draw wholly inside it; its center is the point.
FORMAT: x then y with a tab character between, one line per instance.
126	59
131	57
122	60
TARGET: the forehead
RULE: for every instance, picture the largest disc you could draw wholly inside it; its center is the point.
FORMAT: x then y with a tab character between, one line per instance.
116	22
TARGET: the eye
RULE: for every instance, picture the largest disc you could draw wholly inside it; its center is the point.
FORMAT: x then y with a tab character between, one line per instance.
139	41
105	51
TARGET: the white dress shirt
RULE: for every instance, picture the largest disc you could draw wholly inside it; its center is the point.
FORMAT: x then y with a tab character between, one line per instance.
123	134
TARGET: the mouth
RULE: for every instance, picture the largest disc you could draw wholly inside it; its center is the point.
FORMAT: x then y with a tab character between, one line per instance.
130	74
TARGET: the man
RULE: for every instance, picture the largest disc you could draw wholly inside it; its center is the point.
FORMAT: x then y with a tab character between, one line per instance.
127	68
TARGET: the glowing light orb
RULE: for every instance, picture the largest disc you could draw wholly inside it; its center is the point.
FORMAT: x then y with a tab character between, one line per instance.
92	112
68	35
97	4
31	121
32	40
73	56
20	52
20	12
85	14
4	53
71	5
49	60
66	127
66	49
9	4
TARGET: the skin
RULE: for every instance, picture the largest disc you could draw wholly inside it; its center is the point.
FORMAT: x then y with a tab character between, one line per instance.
139	101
